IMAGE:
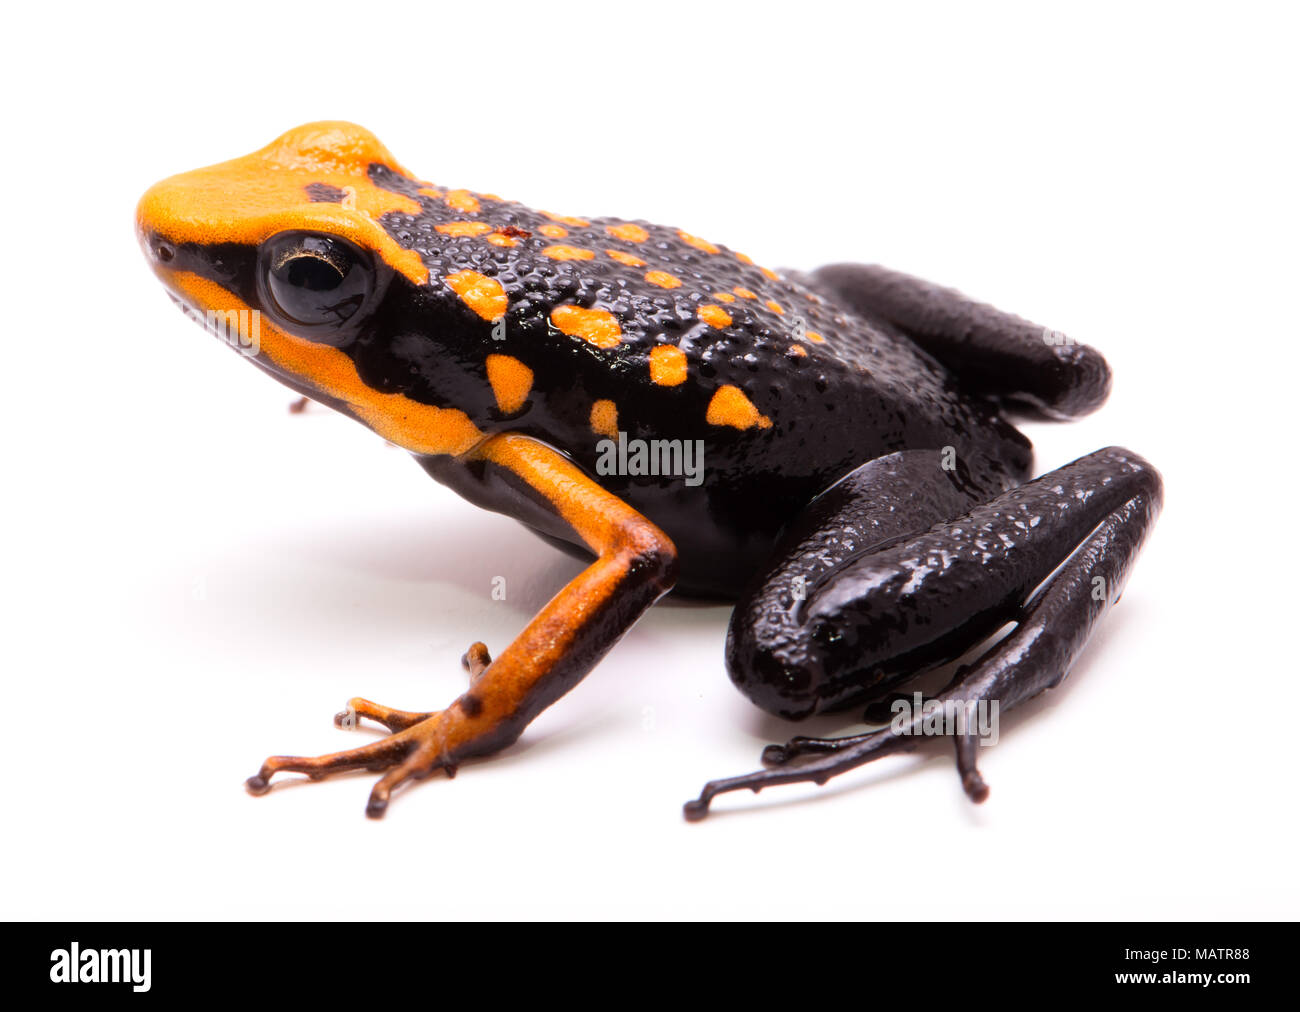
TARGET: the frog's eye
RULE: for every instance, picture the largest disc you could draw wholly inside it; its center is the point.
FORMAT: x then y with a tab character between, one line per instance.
313	281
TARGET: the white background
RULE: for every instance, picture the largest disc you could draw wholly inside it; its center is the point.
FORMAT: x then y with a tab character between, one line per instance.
194	579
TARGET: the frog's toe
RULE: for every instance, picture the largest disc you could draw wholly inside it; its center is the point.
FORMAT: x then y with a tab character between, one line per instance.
377	755
882	711
475	660
422	761
394	720
829	757
800	746
420	743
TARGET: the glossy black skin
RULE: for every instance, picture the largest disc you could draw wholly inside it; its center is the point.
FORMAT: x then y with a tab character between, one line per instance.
905	566
866	391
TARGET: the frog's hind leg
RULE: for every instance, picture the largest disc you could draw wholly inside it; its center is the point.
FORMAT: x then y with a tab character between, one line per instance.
921	600
989	351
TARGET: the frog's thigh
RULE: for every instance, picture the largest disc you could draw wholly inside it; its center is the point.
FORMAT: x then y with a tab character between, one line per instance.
991	352
921	599
772	655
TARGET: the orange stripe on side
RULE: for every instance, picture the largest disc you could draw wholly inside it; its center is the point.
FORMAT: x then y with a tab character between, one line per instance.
420	428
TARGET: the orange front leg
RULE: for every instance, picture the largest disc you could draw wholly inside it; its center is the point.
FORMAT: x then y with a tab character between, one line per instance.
635	565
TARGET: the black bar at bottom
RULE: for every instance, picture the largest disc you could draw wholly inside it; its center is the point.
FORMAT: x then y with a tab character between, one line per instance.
223	959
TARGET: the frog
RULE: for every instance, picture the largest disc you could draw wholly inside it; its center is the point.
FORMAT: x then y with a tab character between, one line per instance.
859	489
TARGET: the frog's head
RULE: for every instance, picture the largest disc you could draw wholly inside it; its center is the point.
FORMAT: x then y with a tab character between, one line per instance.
282	253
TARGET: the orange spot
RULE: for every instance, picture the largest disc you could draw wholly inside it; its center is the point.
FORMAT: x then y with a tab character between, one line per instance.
724	296
595	325
774	306
249	199
628	233
420	428
667	365
553	231
497	239
697	242
730	406
797	350
813	336
429	191
566	219
744	259
744	293
567	253
604	419
511	381
462	200
663	279
482	294
715	316
464	228
627	259
770	275
492	196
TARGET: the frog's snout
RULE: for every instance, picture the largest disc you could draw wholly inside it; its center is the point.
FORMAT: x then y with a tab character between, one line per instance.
159	253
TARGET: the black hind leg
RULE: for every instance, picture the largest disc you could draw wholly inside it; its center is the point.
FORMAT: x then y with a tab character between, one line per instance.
989	351
922	597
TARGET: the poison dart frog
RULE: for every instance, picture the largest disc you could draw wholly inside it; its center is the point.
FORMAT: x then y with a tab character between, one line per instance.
863	496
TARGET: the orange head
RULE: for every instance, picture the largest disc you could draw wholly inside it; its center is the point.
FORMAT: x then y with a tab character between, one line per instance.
283	253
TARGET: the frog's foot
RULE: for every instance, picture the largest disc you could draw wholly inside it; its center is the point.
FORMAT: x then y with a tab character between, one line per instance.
412	753
1073	534
419	744
833	756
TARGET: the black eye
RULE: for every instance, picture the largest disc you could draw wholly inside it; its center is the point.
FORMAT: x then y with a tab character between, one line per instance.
316	280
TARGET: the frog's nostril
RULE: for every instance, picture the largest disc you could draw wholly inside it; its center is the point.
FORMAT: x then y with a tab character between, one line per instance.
164	252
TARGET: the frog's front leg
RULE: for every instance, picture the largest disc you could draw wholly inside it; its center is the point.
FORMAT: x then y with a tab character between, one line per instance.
635	565
891	606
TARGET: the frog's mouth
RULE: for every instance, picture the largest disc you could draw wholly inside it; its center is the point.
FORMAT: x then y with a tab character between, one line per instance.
320	371
246	340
